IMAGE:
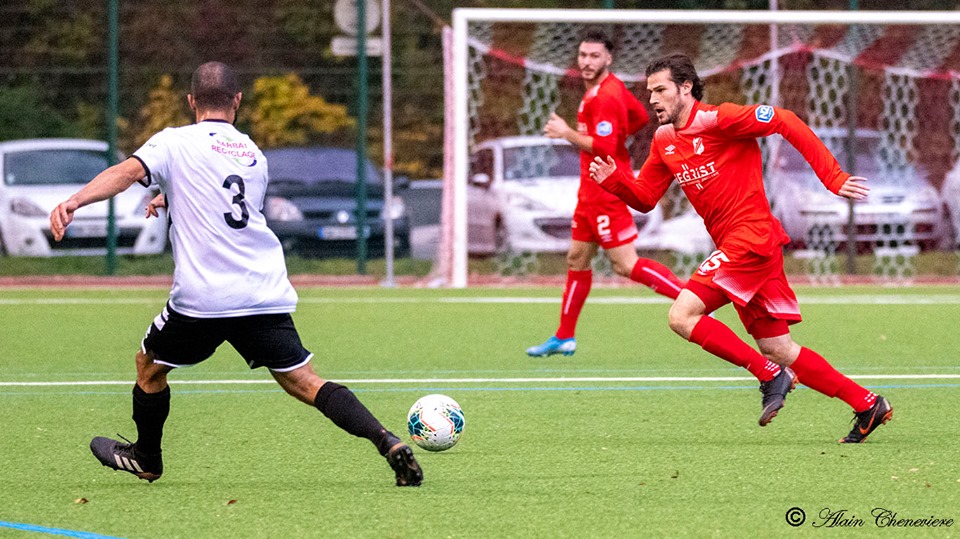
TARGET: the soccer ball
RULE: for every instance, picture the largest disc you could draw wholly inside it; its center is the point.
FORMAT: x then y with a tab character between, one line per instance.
435	422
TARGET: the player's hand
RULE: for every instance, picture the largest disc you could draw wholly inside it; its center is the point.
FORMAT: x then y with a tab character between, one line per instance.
61	216
158	202
556	127
855	188
601	170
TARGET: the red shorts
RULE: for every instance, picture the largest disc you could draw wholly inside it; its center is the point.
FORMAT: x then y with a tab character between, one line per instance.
757	287
609	225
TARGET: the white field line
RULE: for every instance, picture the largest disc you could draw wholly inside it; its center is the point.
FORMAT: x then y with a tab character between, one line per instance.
860	299
559	380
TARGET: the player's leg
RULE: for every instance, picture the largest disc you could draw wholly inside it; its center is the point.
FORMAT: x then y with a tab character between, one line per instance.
272	341
579	282
870	410
774	340
645	271
688	319
179	340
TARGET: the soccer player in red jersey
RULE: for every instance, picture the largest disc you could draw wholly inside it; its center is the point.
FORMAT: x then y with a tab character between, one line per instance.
608	113
713	153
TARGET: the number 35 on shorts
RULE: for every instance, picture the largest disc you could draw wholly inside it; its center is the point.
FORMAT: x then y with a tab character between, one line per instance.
712	263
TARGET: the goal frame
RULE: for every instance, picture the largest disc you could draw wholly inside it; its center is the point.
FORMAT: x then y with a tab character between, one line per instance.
457	104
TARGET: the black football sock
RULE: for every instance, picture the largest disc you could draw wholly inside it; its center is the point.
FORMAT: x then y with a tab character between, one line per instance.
343	408
150	411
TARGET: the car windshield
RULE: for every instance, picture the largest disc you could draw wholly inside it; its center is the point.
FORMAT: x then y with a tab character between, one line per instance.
317	165
869	163
548	161
50	167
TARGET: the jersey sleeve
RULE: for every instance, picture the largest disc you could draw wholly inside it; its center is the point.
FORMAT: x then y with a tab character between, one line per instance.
643	192
607	125
154	156
762	120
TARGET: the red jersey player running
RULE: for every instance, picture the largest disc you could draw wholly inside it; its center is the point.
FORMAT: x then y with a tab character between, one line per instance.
713	153
608	114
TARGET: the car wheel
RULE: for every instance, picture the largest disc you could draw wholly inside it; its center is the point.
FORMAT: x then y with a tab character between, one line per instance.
951	236
501	238
403	249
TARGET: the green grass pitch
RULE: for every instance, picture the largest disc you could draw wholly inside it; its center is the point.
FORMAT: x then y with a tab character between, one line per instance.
639	434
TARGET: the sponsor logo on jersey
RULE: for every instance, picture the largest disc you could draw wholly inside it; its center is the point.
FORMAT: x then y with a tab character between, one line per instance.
236	151
698	145
604	128
695	175
669	150
764	113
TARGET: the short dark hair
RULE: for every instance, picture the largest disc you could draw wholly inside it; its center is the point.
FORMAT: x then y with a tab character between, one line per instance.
214	85
597	35
681	70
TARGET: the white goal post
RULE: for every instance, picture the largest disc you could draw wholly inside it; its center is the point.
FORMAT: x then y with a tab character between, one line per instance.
746	50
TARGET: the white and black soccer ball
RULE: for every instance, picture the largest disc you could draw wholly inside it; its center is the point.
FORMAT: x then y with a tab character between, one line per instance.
435	422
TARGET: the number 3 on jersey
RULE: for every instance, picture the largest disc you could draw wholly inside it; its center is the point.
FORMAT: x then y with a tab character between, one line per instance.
232	180
712	262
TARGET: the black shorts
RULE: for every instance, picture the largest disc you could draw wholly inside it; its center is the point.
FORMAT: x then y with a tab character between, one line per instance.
263	340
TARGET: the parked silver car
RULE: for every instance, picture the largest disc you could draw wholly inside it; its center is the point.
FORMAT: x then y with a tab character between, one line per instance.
950	192
521	195
38	174
903	208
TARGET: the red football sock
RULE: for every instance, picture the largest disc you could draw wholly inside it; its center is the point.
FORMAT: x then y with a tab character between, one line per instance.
716	338
574	296
657	276
816	373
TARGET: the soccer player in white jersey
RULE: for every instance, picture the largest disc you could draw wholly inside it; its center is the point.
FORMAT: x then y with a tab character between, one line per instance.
230	279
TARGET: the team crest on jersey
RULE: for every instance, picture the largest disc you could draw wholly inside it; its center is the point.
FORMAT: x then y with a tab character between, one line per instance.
604	128
698	145
764	113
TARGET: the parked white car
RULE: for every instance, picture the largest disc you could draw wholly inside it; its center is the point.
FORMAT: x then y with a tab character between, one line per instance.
38	174
521	195
903	208
950	193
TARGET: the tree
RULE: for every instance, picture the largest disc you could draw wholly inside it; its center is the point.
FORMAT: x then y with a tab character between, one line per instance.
283	113
22	115
165	107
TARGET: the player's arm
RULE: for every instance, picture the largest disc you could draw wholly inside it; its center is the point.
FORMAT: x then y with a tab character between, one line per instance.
641	193
157	202
608	125
108	183
637	116
557	127
763	120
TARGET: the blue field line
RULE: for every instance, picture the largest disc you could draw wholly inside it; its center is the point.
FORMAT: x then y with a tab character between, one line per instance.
418	389
54	531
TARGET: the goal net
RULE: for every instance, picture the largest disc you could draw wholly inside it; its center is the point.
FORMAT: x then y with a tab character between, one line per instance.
882	91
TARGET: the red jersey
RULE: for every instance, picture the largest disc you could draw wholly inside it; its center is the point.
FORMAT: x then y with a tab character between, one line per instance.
608	113
716	160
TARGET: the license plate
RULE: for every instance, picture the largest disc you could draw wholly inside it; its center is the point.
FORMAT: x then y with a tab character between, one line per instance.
340	232
87	230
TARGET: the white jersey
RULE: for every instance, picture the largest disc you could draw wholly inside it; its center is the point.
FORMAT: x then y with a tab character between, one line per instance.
227	262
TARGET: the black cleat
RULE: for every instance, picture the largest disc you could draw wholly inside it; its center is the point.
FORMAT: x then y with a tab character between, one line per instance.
868	420
774	393
404	465
126	458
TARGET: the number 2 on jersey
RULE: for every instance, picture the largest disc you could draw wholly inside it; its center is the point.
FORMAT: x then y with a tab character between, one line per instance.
232	180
